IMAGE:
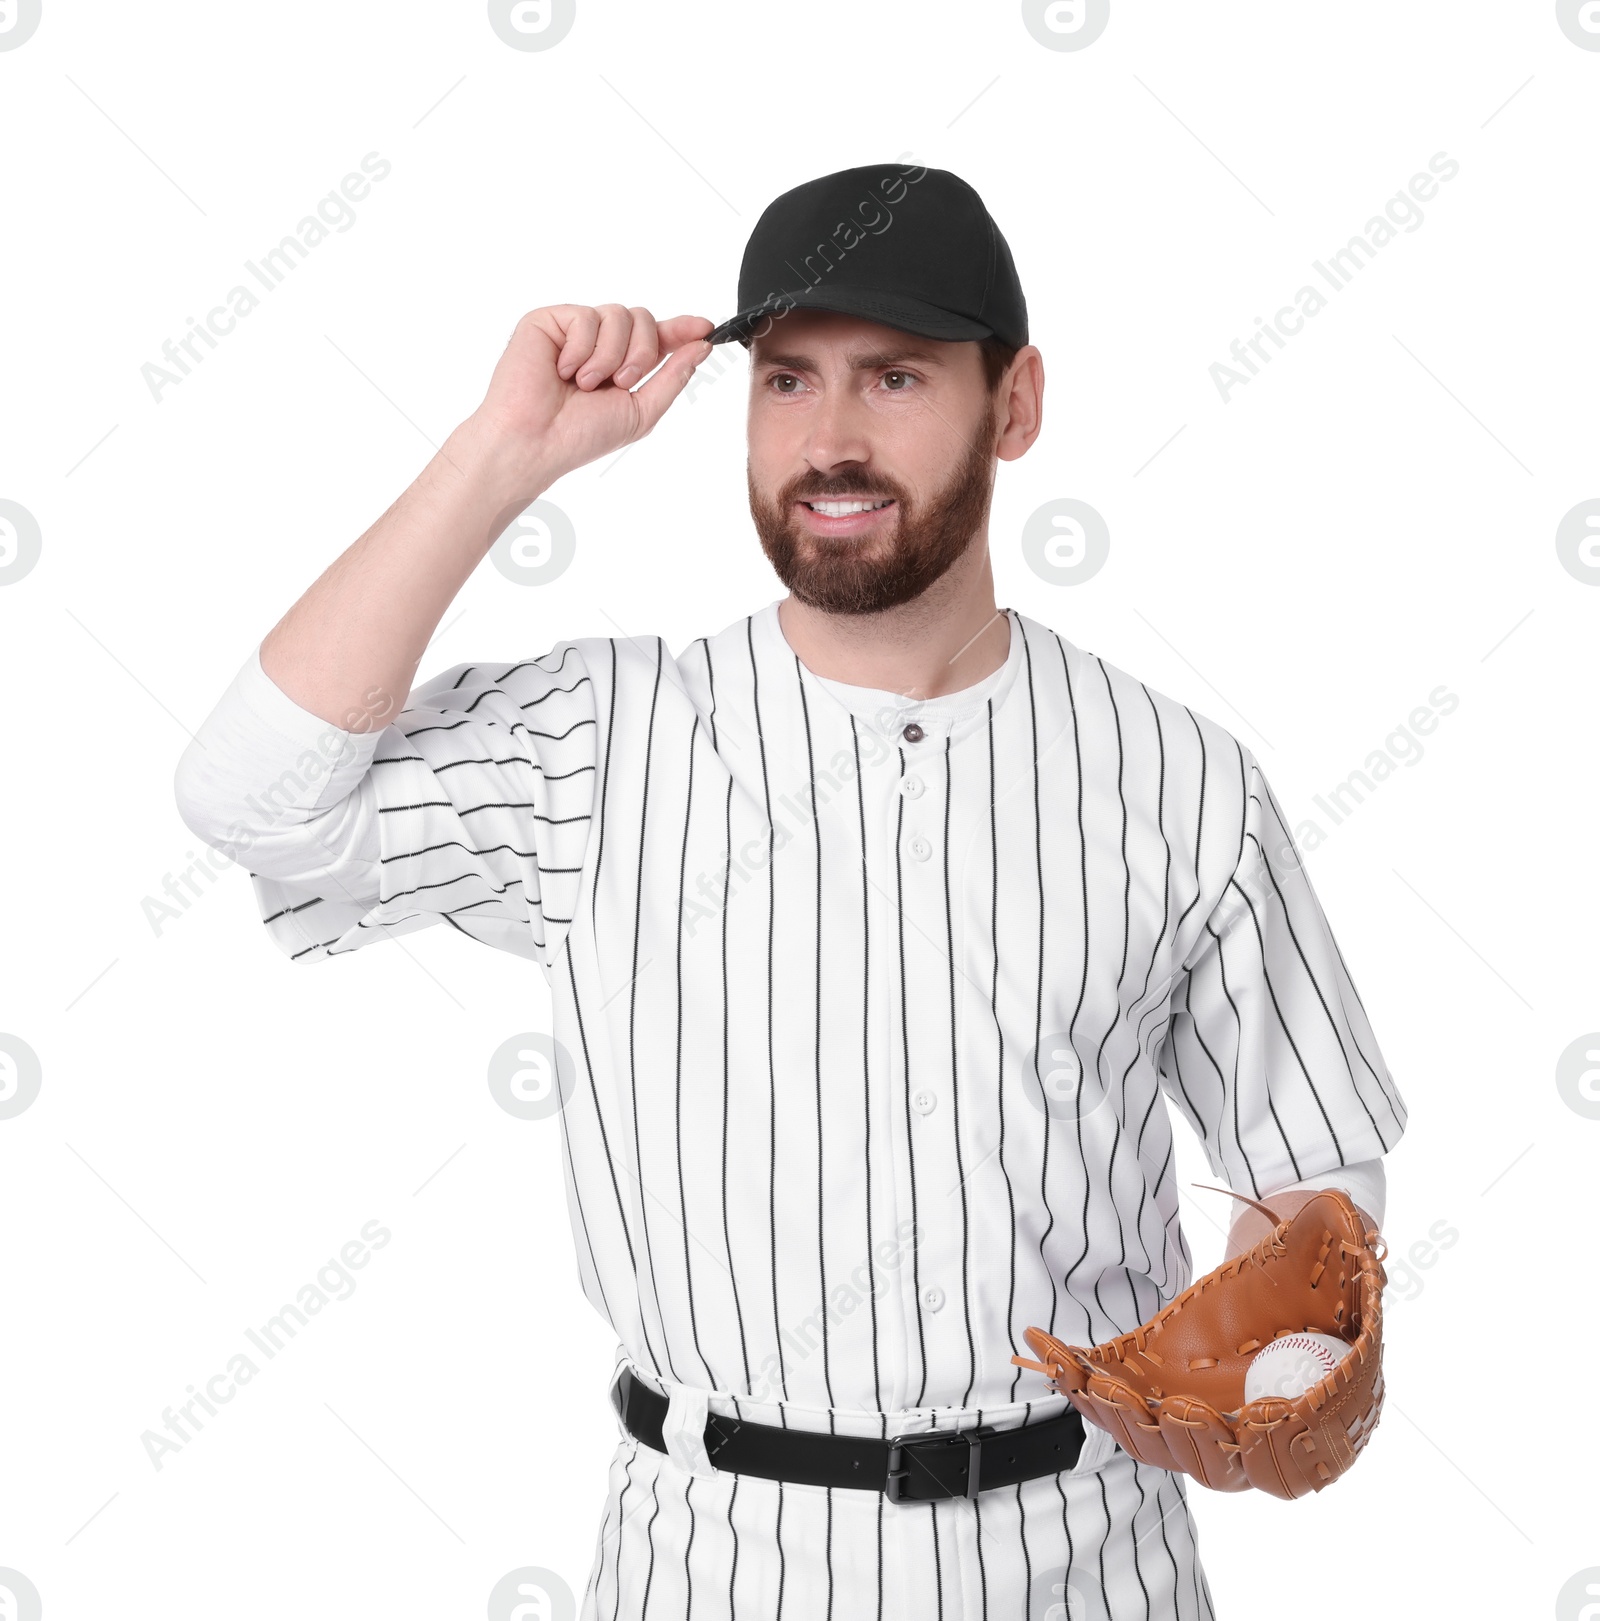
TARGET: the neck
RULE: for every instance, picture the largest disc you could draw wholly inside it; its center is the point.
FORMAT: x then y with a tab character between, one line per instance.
949	637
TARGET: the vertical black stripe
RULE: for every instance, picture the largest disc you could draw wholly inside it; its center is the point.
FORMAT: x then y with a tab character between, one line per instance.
633	999
772	1068
1038	997
650	1542
622	1521
583	1219
1119	1137
605	790
905	1075
828	1546
688	1548
955	1087
881	1507
816	1045
677	1064
1011	1324
727	906
1083	983
1135	1539
733	1570
1166	1541
866	1066
782	1562
938	1568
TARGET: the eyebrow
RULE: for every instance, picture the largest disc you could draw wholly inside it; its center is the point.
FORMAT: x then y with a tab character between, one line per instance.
867	361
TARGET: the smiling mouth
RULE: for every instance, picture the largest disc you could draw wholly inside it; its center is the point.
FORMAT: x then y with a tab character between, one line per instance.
845	509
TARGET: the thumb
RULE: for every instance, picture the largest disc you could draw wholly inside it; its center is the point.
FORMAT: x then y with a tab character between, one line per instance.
659	391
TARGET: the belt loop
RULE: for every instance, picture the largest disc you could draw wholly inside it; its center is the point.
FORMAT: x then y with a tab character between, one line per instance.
684	1428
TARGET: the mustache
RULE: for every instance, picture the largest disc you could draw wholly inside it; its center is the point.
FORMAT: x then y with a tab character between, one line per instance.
814	486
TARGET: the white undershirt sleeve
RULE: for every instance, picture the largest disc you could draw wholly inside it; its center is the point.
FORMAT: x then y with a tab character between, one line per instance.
278	789
1364	1181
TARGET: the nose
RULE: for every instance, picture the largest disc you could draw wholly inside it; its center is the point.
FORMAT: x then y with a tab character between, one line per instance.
838	436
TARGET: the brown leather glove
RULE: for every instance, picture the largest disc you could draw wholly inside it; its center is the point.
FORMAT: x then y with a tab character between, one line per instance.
1172	1391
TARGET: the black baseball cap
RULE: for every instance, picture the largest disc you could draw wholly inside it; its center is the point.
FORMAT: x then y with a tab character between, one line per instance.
896	243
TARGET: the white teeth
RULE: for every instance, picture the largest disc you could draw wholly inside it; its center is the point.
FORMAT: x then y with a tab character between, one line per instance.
843	509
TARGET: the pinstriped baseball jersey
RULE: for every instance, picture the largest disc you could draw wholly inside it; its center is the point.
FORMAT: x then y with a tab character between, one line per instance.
872	1018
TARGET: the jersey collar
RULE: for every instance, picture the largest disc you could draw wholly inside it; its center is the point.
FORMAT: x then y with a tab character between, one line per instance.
954	715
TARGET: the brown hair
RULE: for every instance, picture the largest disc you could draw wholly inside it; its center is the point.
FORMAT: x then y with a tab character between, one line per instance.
996	355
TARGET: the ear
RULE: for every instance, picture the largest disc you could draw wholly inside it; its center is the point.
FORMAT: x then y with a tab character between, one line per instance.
1019	403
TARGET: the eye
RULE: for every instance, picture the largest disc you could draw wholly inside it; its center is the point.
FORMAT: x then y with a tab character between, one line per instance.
897	382
785	382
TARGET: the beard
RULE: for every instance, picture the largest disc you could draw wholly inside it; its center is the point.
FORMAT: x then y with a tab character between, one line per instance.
845	575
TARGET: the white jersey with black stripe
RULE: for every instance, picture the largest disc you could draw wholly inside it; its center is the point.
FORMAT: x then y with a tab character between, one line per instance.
872	1016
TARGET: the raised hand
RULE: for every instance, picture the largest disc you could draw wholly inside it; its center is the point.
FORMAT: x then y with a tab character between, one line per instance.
565	391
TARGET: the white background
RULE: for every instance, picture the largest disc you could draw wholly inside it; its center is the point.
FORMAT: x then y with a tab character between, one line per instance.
1372	517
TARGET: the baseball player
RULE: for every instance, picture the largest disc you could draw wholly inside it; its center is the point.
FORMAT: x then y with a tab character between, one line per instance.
885	931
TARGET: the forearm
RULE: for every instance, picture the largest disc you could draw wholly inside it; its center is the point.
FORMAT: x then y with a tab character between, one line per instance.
1250	1226
561	395
1363	1182
348	650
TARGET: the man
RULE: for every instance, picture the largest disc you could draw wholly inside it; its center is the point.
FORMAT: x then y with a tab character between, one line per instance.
881	928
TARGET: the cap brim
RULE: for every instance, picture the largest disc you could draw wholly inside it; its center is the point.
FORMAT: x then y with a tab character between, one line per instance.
887	309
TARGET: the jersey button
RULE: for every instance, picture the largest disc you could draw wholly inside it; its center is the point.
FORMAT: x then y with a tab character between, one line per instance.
923	1101
920	848
933	1297
911	787
913	733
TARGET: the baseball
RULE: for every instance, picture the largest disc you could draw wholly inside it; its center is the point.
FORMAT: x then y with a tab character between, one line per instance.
1292	1365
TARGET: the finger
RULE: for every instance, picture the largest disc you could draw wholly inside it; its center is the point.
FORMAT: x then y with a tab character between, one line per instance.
643	350
610	345
581	326
1202	1443
656	395
683	329
1126	1418
1280	1457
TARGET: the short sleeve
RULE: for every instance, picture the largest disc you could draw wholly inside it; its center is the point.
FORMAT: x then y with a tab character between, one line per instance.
1268	1050
481	793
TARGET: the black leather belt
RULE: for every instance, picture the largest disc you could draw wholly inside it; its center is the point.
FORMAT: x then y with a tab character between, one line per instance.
924	1467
